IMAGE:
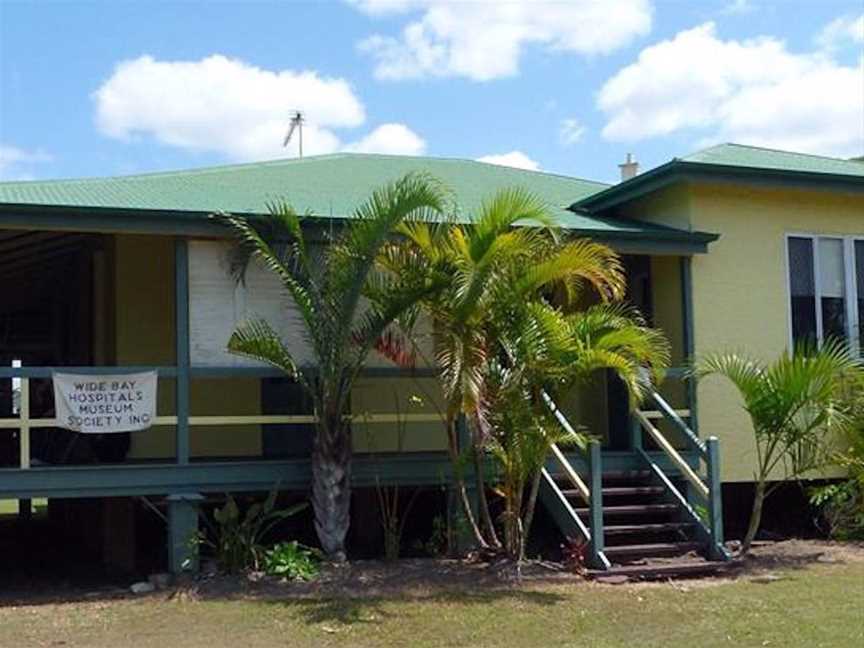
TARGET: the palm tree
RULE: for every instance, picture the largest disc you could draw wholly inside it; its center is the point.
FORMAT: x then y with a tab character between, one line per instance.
326	284
489	272
794	403
547	353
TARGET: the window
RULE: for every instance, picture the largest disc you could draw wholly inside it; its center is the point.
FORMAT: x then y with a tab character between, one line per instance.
826	288
218	304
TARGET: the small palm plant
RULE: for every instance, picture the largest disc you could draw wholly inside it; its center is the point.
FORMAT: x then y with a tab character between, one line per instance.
548	352
795	405
326	284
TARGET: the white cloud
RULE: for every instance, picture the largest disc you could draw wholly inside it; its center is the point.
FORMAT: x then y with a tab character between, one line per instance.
223	105
515	159
16	163
750	91
571	131
841	31
483	40
394	139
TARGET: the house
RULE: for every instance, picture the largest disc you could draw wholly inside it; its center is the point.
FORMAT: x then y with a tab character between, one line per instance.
732	247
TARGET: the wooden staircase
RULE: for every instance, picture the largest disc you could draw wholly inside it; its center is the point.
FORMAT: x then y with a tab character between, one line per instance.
646	535
641	523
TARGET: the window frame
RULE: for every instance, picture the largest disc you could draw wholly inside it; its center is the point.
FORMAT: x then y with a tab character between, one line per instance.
853	327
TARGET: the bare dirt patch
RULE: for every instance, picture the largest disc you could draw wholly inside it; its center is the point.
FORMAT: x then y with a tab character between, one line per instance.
420	578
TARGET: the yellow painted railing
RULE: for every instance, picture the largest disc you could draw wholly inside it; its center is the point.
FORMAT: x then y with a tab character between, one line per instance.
24	423
672	453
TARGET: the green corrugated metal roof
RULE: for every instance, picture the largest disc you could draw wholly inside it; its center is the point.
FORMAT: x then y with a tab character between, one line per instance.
754	157
738	162
326	185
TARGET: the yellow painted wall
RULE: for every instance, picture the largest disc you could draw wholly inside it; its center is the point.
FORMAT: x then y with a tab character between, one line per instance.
667	303
144	334
405	396
740	298
740	295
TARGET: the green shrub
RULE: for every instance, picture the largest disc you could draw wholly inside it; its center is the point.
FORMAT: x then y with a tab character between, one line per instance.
841	505
236	535
292	560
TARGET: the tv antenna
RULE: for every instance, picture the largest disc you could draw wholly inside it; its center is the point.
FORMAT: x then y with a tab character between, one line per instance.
297	120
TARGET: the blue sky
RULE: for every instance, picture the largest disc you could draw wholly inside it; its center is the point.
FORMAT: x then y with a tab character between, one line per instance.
102	88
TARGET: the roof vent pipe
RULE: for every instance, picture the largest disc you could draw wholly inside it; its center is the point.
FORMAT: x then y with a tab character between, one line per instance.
629	168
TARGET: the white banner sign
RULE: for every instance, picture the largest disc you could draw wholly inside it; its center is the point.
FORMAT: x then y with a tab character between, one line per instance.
100	404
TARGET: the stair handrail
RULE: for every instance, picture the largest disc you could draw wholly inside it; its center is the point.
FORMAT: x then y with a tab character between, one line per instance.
709	451
592	495
571	474
673	454
672	416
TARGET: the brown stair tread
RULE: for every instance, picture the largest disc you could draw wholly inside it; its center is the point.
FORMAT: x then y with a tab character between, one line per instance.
654	549
632	509
645	528
632	490
662	570
635	475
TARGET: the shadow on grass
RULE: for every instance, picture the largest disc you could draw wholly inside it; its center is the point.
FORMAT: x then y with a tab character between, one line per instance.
374	611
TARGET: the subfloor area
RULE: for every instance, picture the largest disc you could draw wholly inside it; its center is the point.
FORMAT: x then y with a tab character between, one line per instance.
790	594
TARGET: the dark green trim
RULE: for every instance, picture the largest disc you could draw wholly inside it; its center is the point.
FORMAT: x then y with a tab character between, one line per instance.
689	339
679	171
715	489
659	247
205	372
189	223
106	221
182	528
182	346
124	480
595	505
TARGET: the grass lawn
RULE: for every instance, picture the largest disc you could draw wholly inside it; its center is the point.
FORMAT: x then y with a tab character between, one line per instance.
814	605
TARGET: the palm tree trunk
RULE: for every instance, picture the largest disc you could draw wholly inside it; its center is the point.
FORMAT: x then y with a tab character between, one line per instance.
755	516
530	507
331	485
452	447
479	475
483	501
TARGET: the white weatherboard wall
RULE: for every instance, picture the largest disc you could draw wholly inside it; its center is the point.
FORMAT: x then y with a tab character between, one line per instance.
218	304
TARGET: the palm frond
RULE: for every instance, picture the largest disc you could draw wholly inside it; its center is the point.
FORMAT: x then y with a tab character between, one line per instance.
256	339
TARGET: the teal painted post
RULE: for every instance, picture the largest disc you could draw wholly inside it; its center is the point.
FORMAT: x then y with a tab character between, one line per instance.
715	490
182	529
595	478
635	434
689	342
181	332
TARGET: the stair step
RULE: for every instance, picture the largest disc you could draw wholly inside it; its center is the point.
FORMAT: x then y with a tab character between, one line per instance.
632	509
614	491
655	549
617	476
673	569
619	529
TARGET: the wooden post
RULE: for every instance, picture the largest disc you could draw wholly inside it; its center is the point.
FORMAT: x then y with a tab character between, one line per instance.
689	342
24	429
181	332
715	491
635	433
182	527
595	479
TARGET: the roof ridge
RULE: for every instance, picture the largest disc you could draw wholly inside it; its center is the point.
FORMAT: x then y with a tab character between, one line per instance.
291	161
770	149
